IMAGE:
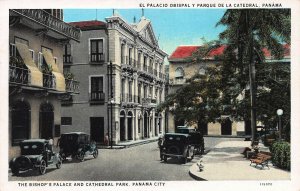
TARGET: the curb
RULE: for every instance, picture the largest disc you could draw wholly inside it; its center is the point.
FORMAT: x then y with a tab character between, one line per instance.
196	177
120	146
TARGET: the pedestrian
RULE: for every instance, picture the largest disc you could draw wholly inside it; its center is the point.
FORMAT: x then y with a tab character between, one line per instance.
106	140
50	144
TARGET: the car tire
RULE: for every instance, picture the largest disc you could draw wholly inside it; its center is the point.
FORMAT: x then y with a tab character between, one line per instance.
165	158
59	162
95	153
15	170
42	167
81	156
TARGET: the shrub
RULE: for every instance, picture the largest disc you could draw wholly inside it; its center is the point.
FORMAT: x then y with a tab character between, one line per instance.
281	153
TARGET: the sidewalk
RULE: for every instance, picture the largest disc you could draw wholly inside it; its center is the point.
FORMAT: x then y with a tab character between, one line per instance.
224	162
122	145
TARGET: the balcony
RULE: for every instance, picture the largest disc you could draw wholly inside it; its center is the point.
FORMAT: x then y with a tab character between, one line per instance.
40	20
49	81
18	75
149	102
128	64
67	59
97	58
97	98
72	86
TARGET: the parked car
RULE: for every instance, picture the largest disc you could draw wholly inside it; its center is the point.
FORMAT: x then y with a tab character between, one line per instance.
177	145
196	138
77	145
35	154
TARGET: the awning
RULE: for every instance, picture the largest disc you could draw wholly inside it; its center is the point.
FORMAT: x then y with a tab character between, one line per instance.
60	79
36	76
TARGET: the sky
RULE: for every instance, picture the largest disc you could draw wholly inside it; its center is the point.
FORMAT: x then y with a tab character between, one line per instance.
172	27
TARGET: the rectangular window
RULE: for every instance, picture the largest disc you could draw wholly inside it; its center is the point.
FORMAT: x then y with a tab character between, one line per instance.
21	40
32	54
67	54
40	60
96	50
12	50
96	87
66	120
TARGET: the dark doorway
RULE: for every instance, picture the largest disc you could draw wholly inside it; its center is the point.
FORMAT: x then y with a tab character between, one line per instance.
226	127
97	129
20	118
159	123
178	123
129	125
156	124
122	126
247	127
145	125
46	121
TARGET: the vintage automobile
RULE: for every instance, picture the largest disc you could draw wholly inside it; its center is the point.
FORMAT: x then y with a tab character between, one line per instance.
177	145
77	145
35	154
196	138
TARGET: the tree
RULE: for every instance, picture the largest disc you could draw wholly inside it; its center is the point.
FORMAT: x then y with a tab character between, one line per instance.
249	31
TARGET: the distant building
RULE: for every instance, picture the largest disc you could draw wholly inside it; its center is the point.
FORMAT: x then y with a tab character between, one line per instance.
36	80
138	81
182	67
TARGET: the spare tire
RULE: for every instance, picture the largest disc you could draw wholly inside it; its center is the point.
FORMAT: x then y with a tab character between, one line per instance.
23	163
173	150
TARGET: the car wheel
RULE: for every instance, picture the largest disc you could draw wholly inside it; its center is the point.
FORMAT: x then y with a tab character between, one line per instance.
42	168
15	170
165	158
59	162
81	156
95	154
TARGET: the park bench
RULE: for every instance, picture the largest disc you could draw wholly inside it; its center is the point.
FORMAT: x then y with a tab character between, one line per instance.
262	158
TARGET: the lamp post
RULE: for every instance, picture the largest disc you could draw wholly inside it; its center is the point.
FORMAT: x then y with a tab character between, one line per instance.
279	113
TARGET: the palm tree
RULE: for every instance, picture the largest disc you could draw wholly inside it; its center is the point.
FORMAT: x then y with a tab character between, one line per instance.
250	30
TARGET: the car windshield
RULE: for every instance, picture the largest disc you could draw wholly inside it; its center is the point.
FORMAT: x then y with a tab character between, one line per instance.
32	148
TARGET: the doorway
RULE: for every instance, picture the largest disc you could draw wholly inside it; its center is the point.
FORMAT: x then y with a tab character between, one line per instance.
97	129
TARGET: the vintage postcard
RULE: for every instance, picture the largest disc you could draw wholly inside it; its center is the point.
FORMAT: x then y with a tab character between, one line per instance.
149	95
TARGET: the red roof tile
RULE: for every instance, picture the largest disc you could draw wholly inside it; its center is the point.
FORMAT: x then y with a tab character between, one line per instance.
183	52
88	24
287	51
217	51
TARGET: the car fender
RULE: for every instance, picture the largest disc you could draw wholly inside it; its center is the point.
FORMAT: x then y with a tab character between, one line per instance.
12	162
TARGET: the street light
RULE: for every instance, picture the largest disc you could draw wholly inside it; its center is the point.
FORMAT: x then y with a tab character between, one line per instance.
279	113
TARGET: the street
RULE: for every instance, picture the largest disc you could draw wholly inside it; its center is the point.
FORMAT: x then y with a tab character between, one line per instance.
134	163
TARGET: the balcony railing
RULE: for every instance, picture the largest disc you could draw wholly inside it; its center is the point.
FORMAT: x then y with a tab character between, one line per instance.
67	58
72	86
97	57
42	17
49	81
18	75
97	96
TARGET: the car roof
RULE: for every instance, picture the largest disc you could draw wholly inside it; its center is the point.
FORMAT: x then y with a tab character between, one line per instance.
185	127
176	134
76	133
35	141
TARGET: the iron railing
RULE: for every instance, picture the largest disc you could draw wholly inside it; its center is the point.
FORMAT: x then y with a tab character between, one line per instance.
97	96
19	75
72	86
42	17
49	81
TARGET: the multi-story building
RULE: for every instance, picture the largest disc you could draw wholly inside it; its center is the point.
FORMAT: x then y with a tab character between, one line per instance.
132	52
36	80
182	67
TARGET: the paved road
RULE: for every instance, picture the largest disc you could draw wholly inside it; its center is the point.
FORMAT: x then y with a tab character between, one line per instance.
135	163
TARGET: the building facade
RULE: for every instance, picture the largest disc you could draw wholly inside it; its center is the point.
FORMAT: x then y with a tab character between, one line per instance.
36	80
182	68
130	93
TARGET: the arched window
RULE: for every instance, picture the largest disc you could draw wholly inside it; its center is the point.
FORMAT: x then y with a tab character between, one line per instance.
179	73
